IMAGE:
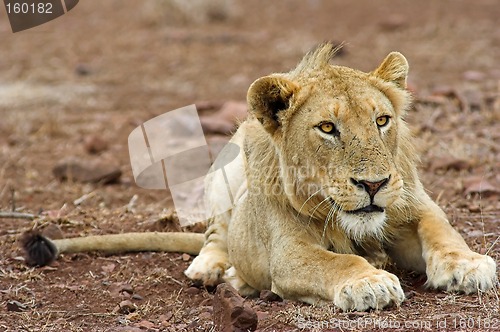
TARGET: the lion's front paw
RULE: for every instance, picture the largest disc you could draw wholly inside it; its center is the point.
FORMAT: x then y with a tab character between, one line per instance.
208	268
465	272
376	290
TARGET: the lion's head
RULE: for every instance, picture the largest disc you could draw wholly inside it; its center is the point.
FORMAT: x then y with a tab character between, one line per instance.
343	147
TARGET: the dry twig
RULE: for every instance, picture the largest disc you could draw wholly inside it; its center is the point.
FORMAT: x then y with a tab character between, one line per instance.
17	215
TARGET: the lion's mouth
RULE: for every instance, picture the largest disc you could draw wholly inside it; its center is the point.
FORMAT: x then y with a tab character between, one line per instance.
367	209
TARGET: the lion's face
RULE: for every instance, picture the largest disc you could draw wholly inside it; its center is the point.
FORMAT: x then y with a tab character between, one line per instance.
340	146
338	142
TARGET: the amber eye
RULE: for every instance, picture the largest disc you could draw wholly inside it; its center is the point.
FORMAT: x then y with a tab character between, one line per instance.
382	121
327	127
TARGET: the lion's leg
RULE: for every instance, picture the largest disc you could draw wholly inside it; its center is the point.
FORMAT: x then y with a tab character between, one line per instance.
212	262
312	274
432	246
450	264
233	278
406	250
210	265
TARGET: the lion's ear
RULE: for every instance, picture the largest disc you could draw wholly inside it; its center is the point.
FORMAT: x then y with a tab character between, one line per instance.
394	69
268	96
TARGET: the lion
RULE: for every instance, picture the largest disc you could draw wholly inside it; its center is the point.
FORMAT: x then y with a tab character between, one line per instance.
327	192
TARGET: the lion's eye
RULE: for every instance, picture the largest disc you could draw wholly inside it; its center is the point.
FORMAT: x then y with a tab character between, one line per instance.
327	128
382	121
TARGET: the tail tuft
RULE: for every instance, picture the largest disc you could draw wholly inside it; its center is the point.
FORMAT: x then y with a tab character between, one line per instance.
38	250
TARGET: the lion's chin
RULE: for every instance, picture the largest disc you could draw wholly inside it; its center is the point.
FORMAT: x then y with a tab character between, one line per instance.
361	225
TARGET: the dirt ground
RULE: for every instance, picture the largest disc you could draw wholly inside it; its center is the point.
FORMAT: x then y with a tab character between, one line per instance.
104	68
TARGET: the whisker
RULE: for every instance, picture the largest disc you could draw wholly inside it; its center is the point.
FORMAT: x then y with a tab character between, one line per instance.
334	209
307	200
316	208
326	222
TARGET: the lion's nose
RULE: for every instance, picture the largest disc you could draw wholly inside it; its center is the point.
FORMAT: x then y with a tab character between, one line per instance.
372	188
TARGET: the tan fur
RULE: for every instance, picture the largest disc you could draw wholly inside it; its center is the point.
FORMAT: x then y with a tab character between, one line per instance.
190	243
293	229
290	231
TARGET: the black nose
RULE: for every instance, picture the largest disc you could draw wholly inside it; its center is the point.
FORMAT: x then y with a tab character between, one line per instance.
372	188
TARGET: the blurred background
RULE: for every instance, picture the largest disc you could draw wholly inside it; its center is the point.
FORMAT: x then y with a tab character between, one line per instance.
106	67
73	89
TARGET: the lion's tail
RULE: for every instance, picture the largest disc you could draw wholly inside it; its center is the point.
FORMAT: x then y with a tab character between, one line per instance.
40	250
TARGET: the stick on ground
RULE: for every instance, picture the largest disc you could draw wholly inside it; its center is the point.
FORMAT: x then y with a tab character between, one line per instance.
17	215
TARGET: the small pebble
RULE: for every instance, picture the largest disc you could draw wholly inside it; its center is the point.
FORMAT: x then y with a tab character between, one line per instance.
192	291
95	144
267	295
83	69
125	307
15	306
474	208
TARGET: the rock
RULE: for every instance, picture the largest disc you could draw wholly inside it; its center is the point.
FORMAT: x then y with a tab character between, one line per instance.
473	75
203	106
95	144
192	291
192	326
226	119
166	324
108	268
235	111
444	90
15	306
125	307
478	185
474	208
86	172
214	125
230	312
205	315
393	23
83	69
267	295
145	324
186	257
450	163
117	289
166	317
410	294
473	98
262	315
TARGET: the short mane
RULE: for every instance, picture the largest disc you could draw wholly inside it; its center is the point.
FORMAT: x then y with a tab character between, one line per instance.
317	59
